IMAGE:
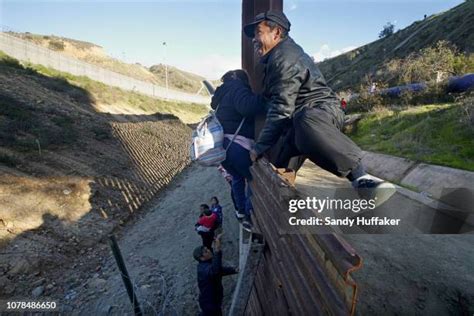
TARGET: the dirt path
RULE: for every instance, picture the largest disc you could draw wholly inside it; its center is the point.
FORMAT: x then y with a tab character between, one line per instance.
158	252
415	274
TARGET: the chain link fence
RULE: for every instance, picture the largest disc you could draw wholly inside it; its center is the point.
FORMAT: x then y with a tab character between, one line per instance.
27	51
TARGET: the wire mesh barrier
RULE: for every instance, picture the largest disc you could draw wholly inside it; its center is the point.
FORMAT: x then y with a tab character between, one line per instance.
30	52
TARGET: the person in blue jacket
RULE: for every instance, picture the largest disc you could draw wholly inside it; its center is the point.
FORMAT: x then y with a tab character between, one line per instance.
235	101
210	272
216	208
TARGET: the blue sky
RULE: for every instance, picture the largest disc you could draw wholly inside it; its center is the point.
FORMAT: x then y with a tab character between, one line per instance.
204	36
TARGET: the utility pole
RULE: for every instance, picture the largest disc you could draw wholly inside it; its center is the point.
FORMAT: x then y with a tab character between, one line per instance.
166	71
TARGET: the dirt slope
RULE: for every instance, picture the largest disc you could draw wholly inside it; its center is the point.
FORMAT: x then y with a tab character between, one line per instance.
69	175
158	252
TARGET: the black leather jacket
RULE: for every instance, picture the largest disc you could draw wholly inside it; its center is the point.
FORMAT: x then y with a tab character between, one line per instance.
236	101
292	81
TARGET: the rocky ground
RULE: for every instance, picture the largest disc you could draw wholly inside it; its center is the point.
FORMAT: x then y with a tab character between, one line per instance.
70	175
157	249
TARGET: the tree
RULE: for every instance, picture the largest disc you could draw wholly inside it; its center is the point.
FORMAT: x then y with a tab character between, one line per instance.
387	30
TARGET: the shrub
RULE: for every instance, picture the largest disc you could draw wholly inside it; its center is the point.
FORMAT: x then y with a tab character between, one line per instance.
8	61
463	63
366	101
56	45
430	64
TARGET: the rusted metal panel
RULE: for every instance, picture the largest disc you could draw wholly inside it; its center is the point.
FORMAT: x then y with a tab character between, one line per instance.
271	301
250	62
301	274
250	8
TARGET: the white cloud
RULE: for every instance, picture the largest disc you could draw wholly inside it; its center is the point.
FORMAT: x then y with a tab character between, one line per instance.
212	66
290	5
326	52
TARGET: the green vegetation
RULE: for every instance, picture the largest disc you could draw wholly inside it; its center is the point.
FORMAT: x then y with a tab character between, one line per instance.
430	126
7	61
27	125
431	65
438	134
82	88
350	70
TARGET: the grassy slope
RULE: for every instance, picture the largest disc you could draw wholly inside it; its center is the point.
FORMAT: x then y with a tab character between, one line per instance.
21	127
52	135
438	134
105	94
177	78
347	70
91	53
70	175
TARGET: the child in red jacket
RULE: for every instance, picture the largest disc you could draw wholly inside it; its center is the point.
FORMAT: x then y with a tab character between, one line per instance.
206	224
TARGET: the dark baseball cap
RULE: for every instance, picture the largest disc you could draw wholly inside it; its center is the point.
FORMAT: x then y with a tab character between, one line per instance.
274	16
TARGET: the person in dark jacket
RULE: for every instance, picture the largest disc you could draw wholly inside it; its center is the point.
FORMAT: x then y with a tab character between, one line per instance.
217	209
303	109
206	225
209	273
236	106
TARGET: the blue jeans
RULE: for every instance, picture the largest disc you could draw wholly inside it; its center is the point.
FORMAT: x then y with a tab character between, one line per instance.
237	163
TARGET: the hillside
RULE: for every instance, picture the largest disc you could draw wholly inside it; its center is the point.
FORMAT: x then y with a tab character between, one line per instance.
95	54
347	71
78	159
177	78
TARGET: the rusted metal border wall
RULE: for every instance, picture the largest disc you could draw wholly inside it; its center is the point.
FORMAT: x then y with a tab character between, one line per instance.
250	8
300	274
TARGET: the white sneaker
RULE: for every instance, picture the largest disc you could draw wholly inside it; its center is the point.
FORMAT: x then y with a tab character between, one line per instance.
239	215
369	188
247	225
